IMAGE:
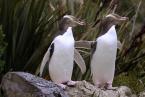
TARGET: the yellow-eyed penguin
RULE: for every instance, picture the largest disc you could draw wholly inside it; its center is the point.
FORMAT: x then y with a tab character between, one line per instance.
60	55
104	52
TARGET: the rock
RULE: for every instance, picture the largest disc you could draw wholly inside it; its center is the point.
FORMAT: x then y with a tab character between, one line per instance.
142	94
20	84
85	89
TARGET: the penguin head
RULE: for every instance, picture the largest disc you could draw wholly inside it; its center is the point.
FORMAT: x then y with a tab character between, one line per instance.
114	19
72	21
69	21
108	21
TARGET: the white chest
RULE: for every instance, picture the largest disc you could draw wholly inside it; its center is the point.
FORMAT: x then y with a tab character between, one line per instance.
64	47
103	59
107	42
61	62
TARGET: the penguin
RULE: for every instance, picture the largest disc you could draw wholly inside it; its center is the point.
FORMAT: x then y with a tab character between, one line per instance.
58	59
104	51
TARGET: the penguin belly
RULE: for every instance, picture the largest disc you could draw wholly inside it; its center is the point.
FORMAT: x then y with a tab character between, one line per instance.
61	62
103	60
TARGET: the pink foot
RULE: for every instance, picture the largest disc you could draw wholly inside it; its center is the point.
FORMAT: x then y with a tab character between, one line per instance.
62	86
71	83
98	85
109	86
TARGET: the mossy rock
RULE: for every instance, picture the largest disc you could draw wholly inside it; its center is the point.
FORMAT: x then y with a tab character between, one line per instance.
131	80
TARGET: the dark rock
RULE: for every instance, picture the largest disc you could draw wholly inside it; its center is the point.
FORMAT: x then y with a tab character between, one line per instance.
20	84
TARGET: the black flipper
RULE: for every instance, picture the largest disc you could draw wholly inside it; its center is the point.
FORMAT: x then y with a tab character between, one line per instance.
45	62
93	48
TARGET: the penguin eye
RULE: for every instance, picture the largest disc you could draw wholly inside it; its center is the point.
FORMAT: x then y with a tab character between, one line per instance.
69	21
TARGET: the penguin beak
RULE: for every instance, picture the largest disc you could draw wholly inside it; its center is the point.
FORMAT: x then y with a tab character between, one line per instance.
123	19
76	21
79	22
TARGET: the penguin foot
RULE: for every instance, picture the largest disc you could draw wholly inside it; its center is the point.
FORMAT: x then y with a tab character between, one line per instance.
97	84
112	88
62	86
109	86
71	83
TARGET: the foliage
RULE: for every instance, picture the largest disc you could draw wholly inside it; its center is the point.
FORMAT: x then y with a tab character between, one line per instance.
28	30
2	49
30	25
